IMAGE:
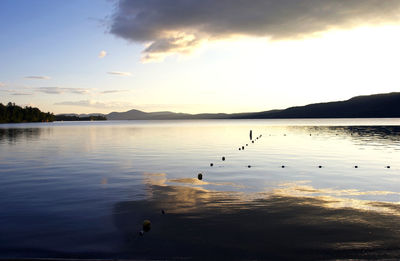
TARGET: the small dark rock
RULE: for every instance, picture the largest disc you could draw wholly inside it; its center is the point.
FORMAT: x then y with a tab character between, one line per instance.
200	176
146	225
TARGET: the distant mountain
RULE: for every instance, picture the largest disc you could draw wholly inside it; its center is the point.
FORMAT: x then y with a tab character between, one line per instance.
164	115
64	117
369	106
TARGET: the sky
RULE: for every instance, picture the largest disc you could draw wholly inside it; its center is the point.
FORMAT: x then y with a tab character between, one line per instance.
195	56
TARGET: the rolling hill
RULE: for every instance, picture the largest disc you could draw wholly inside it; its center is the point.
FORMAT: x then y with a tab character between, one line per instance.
369	106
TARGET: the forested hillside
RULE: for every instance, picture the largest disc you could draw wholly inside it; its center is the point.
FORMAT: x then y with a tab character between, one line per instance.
12	113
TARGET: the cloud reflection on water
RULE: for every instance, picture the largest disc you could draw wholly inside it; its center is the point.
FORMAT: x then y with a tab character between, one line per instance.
293	220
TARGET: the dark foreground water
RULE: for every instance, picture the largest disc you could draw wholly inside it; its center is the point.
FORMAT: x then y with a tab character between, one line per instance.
83	190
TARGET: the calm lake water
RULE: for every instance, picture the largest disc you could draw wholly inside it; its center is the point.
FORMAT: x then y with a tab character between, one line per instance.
83	189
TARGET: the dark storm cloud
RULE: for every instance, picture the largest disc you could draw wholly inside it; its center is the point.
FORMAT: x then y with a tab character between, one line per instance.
179	25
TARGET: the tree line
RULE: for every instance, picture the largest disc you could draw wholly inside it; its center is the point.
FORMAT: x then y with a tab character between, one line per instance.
63	117
12	113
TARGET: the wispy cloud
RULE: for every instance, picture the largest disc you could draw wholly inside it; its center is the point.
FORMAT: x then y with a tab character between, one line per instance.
37	77
60	90
15	92
24	90
120	73
96	104
21	93
177	26
102	54
113	91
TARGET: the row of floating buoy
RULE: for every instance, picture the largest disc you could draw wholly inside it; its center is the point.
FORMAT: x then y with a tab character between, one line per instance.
249	166
200	175
320	167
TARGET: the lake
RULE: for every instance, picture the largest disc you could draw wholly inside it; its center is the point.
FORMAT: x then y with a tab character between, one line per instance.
305	189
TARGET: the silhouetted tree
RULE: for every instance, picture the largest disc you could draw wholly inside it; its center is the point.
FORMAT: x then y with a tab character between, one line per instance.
14	114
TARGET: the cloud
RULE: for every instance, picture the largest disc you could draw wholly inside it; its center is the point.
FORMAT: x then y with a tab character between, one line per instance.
179	26
120	73
2	84
23	90
113	91
102	54
15	92
21	93
36	77
59	90
95	104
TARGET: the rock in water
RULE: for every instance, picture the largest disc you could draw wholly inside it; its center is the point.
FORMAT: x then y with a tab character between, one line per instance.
146	225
